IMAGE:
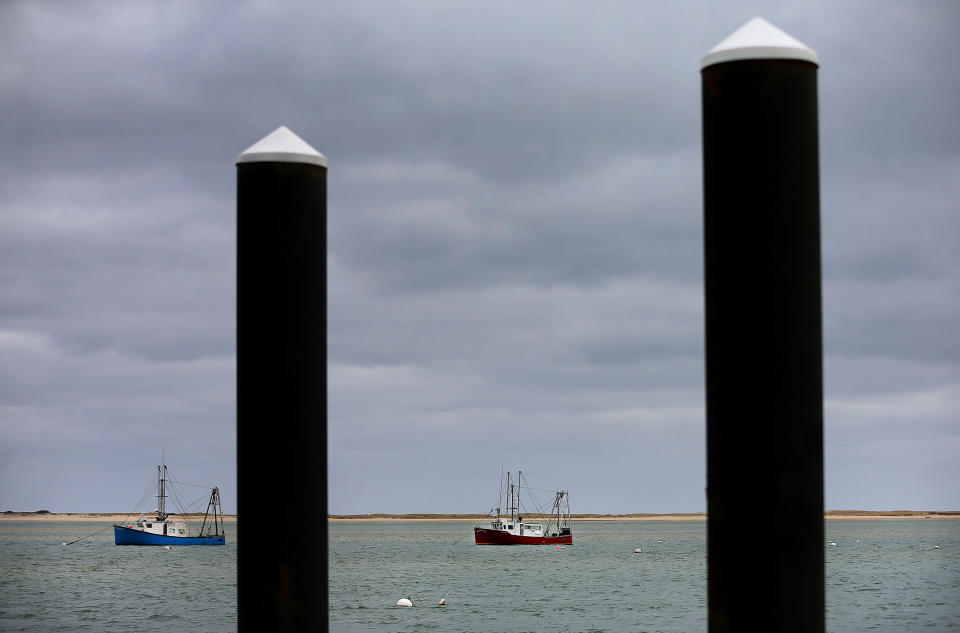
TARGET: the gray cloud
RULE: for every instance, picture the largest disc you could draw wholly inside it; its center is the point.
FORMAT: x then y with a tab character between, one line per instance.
514	244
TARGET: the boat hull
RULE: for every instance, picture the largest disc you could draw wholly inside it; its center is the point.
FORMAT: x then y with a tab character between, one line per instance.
129	536
484	536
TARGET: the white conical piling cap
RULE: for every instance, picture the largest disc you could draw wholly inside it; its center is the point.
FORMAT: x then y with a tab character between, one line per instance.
282	146
758	39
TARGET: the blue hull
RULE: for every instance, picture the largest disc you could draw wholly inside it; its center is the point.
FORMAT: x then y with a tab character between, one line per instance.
128	536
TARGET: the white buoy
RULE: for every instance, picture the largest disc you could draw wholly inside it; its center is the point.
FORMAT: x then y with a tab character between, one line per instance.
659	540
404	602
442	602
638	551
832	544
936	547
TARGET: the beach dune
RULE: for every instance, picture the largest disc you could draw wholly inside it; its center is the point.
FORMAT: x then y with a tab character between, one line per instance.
94	517
834	515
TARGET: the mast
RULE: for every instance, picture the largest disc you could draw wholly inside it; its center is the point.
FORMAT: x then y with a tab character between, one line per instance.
519	484
162	493
500	492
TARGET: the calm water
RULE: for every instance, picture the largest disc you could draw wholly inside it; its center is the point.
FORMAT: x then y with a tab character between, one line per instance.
47	587
892	580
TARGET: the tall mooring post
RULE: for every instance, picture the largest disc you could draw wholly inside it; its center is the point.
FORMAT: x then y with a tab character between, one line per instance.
282	385
765	546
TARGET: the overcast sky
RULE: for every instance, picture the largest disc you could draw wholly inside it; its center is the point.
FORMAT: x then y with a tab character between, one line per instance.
515	244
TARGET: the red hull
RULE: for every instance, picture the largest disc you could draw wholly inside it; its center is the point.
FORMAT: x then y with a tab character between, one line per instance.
498	537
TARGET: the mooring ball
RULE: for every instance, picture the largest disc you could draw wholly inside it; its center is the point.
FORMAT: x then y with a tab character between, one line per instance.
404	602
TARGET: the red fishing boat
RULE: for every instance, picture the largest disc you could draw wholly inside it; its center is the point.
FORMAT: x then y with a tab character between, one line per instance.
513	530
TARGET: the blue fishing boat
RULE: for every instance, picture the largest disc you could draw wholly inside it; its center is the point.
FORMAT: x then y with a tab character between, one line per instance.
163	529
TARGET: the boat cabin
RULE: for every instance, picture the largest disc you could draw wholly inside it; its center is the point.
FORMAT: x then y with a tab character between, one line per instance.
518	527
165	528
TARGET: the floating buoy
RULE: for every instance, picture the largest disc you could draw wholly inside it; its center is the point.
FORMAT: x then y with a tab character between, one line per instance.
404	602
832	544
936	547
659	540
442	602
638	551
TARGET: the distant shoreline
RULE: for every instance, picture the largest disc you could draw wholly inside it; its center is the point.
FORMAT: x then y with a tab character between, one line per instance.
830	515
96	517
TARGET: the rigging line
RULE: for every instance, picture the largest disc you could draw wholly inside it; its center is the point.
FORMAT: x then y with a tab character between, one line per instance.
176	499
446	587
89	535
468	533
450	554
184	483
185	508
539	489
178	502
174	494
529	487
195	505
533	499
146	494
540	508
536	504
170	477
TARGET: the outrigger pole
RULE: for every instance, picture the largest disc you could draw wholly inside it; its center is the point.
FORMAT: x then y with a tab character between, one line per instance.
213	504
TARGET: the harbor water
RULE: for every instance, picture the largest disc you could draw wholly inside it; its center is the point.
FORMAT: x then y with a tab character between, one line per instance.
892	580
880	576
94	585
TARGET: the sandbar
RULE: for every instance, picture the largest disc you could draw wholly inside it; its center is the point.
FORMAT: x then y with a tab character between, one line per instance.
97	517
830	515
